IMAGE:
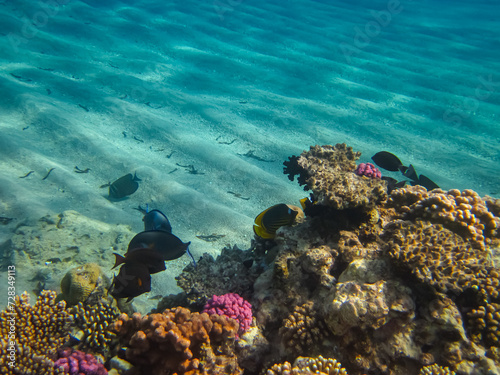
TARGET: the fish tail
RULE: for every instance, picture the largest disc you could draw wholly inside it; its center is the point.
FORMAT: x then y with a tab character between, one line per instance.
119	259
191	256
136	178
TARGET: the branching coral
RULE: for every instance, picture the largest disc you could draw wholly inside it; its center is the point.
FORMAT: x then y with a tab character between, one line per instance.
92	323
39	331
329	172
307	365
179	342
303	331
436	370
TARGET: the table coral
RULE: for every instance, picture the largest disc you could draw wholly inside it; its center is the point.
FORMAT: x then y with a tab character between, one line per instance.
39	331
464	212
75	362
232	306
329	172
308	365
179	342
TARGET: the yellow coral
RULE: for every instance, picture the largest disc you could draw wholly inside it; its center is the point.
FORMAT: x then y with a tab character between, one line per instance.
307	365
39	331
79	282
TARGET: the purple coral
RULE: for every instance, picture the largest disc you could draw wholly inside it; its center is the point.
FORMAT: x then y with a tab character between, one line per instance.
368	170
233	306
75	362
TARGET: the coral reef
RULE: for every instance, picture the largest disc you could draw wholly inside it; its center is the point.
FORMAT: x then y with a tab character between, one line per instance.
75	362
436	370
232	306
178	341
368	170
329	172
216	277
435	255
307	365
465	213
80	282
303	331
91	324
39	331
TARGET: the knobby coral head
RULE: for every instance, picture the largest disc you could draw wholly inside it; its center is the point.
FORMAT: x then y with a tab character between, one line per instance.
368	170
75	362
233	306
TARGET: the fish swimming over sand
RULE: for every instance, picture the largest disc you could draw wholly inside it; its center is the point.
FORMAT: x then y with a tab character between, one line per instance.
391	162
132	281
124	186
270	220
146	254
156	220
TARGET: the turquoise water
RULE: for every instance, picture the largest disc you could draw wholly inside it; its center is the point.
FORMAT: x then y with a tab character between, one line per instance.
156	87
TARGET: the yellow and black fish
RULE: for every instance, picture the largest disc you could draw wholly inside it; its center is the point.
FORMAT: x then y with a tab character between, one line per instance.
269	221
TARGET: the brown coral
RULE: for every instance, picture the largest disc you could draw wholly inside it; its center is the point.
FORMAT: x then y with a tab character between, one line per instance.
329	172
79	282
179	342
39	331
465	213
92	325
303	331
436	255
436	370
307	365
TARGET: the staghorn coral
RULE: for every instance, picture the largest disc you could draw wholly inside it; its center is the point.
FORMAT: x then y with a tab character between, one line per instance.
465	213
179	342
92	325
436	255
329	172
303	331
308	365
39	331
79	282
436	370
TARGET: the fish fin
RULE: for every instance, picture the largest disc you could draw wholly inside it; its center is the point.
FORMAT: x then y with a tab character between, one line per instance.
403	169
136	178
191	256
411	173
427	183
119	259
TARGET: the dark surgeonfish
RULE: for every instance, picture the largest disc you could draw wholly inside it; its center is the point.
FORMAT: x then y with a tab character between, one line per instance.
169	246
133	280
387	161
391	162
156	220
124	186
150	257
270	220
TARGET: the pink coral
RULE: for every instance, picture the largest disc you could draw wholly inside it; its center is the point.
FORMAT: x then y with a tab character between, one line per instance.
233	306
368	170
75	362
